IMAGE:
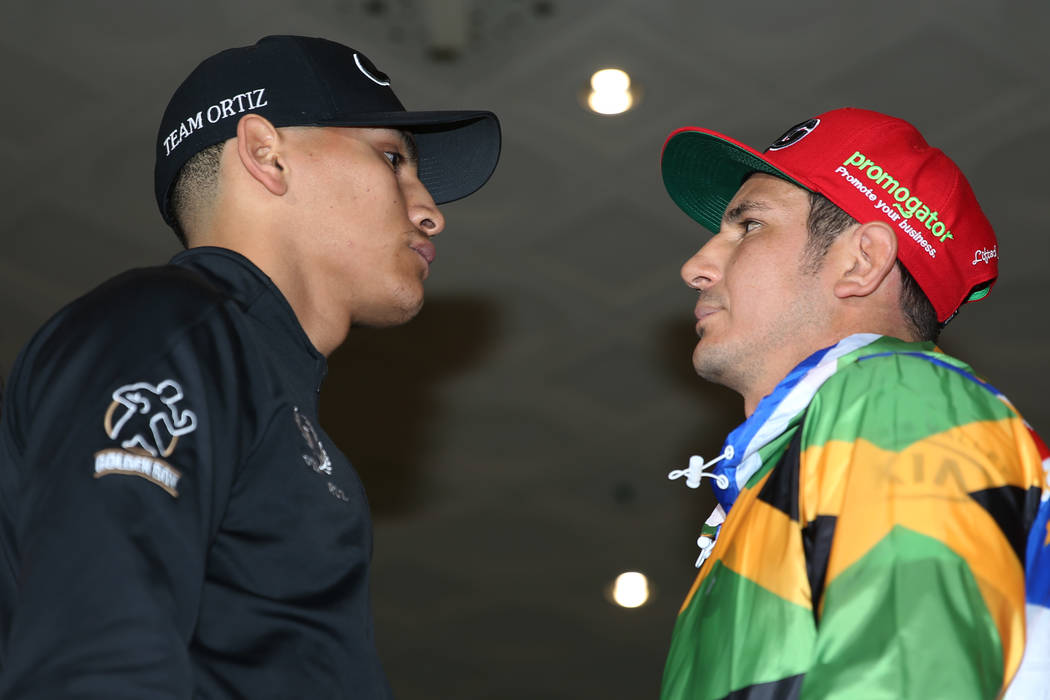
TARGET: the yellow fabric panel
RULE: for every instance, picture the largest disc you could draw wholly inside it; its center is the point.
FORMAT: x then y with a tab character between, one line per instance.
821	486
761	543
768	551
821	466
730	527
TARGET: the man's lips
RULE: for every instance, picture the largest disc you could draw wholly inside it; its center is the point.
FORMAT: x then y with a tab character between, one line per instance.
426	250
702	311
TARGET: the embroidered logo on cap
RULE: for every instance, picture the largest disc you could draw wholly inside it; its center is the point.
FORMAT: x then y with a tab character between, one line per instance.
370	71
982	255
794	134
148	422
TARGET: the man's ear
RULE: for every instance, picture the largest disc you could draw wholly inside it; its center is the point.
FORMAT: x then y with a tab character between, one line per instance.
258	148
867	256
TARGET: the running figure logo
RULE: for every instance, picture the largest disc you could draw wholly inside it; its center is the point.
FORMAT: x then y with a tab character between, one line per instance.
148	417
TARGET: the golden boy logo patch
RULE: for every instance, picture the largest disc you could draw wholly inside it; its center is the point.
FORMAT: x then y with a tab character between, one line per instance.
148	421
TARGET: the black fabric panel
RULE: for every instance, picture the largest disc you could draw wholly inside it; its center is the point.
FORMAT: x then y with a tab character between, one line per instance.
781	489
1032	499
817	536
783	689
1006	505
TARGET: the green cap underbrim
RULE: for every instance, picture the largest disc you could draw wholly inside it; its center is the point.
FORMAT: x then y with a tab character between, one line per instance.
980	293
703	170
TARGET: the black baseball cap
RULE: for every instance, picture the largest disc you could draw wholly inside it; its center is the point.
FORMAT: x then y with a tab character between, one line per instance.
305	81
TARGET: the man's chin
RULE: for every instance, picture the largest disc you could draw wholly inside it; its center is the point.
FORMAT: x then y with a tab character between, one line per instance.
708	362
393	315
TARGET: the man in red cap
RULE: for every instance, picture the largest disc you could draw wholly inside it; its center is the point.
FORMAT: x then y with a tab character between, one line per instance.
881	526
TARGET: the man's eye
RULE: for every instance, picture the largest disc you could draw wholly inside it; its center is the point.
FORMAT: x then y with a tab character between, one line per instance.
749	226
395	158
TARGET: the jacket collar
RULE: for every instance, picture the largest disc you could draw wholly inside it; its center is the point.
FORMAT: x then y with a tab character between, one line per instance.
778	411
241	280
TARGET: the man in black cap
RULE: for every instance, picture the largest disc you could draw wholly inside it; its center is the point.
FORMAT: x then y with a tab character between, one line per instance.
174	521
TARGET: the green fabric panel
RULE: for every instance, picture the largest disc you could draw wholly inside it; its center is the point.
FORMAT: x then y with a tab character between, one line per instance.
771	453
906	621
896	401
734	634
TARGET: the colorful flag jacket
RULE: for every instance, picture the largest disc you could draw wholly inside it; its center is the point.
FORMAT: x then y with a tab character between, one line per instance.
885	534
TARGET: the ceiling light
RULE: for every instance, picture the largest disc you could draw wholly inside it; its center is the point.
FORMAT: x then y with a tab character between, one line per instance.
610	92
610	80
631	589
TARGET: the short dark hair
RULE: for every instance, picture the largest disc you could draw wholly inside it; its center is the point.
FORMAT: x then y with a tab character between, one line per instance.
825	222
195	186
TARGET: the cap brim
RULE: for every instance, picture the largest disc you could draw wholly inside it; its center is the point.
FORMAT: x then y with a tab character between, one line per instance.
458	150
703	169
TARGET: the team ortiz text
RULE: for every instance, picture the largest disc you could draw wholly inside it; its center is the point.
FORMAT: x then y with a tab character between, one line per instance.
228	107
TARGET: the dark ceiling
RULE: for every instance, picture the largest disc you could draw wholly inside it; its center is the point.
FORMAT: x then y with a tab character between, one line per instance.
516	437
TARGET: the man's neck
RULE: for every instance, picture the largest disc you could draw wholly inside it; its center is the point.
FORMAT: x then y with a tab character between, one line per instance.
753	398
325	329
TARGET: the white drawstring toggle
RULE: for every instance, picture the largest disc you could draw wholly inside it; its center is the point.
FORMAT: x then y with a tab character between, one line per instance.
706	543
696	470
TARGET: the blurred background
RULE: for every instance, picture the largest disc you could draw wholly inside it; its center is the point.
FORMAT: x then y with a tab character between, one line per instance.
515	438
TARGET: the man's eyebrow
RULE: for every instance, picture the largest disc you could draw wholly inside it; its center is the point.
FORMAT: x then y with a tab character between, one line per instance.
409	141
736	213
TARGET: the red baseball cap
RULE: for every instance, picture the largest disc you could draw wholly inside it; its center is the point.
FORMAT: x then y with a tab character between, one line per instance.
874	167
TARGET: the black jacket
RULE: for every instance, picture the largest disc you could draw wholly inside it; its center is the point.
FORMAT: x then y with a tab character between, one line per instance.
173	521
